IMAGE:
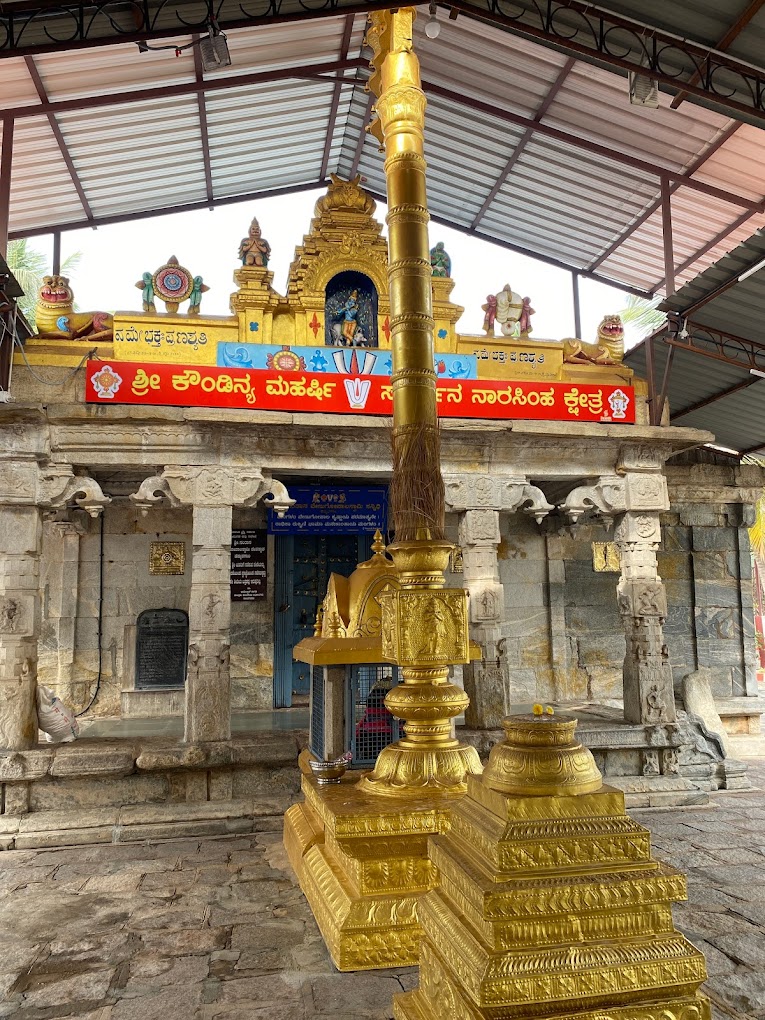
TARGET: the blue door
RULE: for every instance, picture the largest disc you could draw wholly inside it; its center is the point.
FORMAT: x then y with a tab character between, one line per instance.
303	566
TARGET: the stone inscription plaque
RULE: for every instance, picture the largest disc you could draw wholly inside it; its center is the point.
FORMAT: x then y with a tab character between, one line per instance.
161	647
248	564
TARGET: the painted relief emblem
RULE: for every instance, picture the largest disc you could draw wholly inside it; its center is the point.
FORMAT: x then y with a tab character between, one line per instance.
619	402
358	392
286	361
106	382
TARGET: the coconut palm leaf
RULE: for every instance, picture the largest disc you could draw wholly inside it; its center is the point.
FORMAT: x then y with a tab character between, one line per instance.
641	317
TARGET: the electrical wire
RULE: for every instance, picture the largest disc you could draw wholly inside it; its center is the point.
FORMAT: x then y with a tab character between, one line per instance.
47	382
100	626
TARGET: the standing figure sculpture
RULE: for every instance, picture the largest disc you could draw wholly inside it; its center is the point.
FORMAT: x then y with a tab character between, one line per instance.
440	263
254	249
347	319
146	286
490	310
524	323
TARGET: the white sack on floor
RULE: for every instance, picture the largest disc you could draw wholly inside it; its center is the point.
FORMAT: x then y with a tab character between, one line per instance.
57	722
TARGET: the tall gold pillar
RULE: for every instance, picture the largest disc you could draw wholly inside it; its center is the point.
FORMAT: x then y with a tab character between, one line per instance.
424	626
361	858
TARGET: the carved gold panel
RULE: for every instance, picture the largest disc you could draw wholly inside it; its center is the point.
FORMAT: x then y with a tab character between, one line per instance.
167	558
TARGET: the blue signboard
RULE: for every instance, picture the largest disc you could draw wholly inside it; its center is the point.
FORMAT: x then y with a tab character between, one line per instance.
342	360
332	510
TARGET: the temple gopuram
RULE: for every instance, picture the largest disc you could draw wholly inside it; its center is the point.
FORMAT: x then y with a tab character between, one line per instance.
185	499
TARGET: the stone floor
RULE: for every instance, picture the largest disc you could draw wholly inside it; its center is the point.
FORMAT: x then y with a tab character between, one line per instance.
216	929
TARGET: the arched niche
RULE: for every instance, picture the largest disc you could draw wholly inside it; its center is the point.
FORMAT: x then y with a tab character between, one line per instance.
350	311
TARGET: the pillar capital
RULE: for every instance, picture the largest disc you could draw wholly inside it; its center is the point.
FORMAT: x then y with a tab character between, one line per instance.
473	492
212	486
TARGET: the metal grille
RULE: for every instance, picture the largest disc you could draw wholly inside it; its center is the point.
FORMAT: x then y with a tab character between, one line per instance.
371	725
316	736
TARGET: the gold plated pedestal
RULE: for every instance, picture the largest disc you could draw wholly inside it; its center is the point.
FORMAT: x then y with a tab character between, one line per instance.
549	904
362	863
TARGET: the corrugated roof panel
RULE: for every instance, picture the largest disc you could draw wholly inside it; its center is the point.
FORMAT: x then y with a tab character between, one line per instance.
243	125
16	86
74	74
41	188
594	103
160	138
515	74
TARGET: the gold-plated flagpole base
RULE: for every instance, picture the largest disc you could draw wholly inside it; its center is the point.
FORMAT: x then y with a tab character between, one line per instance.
549	903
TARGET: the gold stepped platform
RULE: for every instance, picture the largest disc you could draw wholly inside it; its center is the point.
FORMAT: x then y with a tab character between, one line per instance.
550	906
362	863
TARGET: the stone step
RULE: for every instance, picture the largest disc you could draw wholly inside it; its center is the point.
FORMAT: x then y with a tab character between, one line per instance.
141	822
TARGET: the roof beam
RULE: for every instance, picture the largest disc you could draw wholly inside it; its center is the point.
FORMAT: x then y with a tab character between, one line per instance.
576	28
727	392
204	133
714	343
656	204
362	136
752	449
508	246
189	88
37	81
6	163
345	46
104	221
649	169
722	44
526	138
712	243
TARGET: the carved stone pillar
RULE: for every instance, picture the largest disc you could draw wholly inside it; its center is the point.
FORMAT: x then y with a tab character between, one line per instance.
20	540
212	492
64	593
25	488
635	497
208	682
481	498
485	682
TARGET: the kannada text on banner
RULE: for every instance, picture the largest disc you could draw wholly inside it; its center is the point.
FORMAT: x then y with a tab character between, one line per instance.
183	386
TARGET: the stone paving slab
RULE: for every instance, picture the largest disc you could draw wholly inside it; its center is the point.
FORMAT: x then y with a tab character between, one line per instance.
215	928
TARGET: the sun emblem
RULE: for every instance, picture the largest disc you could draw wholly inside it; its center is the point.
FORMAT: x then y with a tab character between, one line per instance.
106	382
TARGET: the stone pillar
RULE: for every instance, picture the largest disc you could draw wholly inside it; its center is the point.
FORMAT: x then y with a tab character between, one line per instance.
64	594
208	681
20	542
485	681
213	491
635	497
480	498
25	489
648	691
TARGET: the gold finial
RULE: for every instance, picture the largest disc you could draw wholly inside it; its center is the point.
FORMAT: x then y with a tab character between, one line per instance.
378	546
318	620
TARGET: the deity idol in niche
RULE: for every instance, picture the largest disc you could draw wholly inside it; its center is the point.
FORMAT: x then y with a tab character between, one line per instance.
254	249
351	311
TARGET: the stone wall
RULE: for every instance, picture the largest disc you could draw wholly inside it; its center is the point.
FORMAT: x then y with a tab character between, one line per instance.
70	567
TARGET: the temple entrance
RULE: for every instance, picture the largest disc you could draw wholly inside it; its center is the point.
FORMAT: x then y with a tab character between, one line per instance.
303	565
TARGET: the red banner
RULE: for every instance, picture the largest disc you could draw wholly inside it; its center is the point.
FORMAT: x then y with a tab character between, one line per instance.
123	382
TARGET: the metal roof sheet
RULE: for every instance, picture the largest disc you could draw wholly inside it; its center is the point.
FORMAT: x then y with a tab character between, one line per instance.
560	199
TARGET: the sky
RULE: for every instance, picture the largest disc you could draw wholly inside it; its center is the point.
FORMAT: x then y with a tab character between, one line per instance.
207	243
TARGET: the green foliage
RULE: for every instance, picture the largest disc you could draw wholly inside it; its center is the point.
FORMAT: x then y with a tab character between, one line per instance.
641	317
29	266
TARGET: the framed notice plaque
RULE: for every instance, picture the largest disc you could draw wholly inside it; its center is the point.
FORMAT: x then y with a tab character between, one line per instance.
248	564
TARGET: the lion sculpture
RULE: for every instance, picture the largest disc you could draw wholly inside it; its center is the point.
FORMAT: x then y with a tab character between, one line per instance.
56	318
607	350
